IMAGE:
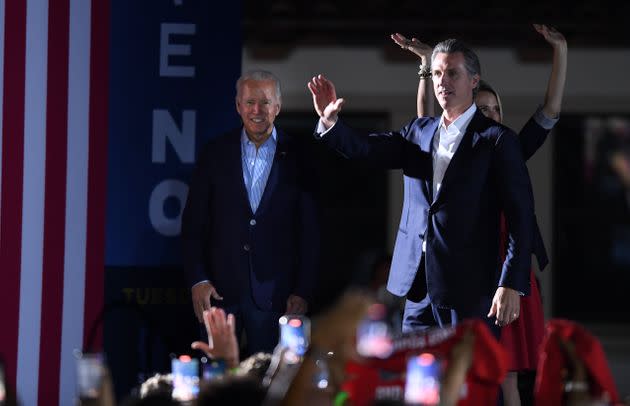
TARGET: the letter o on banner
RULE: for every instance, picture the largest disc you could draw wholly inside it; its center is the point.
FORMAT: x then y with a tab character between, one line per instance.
169	188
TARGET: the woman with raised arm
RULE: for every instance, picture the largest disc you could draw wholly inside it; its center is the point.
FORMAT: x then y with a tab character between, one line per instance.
522	337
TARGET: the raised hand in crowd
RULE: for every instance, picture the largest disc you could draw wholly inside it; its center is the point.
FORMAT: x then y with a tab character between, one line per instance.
222	342
296	305
334	333
458	366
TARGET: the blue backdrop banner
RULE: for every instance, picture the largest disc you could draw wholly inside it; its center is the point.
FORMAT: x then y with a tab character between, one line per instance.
174	64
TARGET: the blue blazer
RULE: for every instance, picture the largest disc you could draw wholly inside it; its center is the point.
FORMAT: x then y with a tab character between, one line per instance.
274	252
487	175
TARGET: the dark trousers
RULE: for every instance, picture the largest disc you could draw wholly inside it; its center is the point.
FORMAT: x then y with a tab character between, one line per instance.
261	327
420	314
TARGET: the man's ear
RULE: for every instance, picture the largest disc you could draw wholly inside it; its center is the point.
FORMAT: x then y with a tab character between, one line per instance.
475	80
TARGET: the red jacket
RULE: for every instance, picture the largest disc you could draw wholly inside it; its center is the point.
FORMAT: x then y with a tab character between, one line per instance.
549	388
379	379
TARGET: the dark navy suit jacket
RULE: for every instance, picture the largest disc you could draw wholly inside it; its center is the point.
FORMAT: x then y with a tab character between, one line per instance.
532	136
274	251
486	175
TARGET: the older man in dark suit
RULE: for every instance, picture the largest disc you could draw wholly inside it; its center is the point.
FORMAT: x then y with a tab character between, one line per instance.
460	171
249	228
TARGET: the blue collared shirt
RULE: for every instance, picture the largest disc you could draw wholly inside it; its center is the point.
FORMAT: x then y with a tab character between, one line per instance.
257	166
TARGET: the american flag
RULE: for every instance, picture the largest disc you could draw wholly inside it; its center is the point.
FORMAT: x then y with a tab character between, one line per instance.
53	114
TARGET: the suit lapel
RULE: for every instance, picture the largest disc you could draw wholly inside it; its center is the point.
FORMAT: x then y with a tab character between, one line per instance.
426	144
276	169
236	169
462	155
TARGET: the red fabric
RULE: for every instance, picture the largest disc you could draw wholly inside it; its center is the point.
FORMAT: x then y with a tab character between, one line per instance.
522	338
549	388
377	379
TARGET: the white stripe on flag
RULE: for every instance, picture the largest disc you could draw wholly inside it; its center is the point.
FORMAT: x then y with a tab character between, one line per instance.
33	200
76	195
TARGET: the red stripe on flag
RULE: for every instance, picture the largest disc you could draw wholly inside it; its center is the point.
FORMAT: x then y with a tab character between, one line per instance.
97	173
55	200
12	178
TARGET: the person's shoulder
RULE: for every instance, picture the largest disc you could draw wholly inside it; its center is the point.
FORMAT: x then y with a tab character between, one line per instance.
488	128
216	147
420	123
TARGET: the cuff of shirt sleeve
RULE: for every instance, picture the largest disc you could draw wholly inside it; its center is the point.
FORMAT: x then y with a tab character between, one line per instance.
321	128
203	281
545	122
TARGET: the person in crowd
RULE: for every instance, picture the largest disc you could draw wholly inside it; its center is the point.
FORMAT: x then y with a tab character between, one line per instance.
249	227
523	337
573	369
461	170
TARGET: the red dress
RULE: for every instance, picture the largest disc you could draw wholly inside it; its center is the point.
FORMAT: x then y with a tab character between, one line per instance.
522	337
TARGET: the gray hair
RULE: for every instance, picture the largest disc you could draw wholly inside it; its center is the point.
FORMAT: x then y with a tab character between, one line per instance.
471	60
258	76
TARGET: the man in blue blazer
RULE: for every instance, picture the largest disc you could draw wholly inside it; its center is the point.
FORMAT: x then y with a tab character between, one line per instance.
460	171
249	228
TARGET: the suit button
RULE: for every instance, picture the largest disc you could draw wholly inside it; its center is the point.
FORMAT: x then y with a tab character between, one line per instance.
431	211
252	222
246	247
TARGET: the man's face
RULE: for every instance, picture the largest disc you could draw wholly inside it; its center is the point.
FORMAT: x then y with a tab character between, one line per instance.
452	83
258	106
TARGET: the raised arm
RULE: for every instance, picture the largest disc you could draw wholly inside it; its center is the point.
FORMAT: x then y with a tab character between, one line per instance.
555	86
425	101
389	150
535	131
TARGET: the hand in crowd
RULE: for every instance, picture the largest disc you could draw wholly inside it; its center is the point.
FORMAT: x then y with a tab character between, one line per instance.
333	332
222	342
506	306
422	50
455	375
201	294
296	305
325	100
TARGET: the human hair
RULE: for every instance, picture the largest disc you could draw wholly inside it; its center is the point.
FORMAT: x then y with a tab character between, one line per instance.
485	87
256	365
452	45
155	391
258	76
157	383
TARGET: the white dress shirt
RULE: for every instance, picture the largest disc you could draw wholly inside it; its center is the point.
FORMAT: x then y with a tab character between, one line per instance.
445	143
